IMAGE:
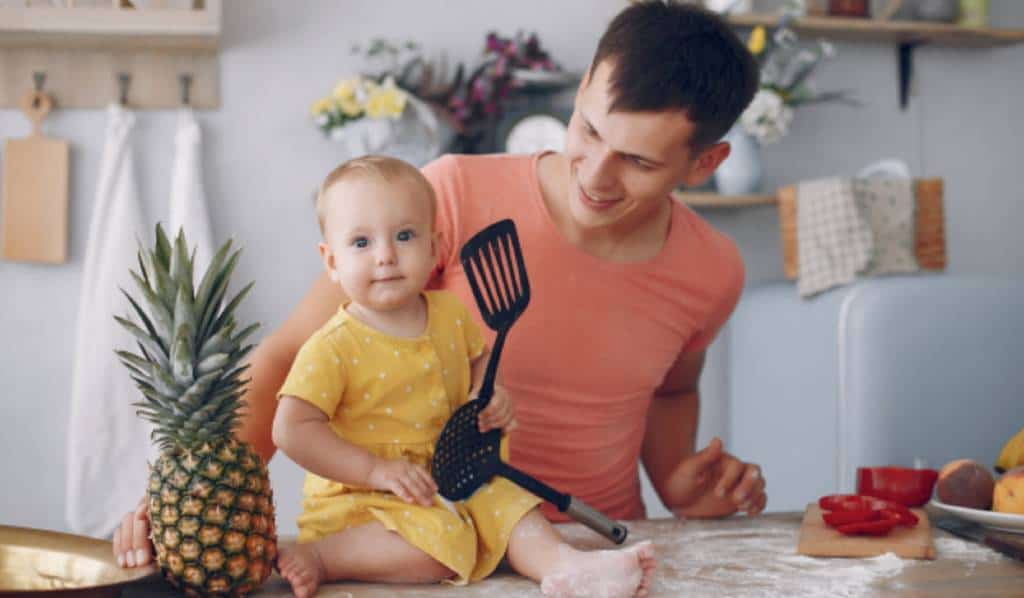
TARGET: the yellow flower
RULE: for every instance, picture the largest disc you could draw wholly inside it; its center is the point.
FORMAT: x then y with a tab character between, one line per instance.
321	106
350	107
385	101
345	90
756	42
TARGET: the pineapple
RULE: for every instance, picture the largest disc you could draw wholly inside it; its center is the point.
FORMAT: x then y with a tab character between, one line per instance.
210	503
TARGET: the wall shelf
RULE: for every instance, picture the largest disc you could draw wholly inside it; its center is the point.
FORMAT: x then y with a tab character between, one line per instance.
714	200
83	47
846	28
906	34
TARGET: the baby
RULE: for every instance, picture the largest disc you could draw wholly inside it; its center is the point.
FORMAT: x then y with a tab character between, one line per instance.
367	397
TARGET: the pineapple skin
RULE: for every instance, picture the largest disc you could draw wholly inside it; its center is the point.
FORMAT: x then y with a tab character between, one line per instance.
211	512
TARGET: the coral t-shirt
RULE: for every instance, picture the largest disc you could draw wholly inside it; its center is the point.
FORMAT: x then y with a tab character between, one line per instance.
583	361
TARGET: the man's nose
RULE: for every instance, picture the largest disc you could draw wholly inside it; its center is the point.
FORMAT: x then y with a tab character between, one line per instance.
596	171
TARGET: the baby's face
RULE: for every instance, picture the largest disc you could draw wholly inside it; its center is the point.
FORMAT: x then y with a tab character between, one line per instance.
379	241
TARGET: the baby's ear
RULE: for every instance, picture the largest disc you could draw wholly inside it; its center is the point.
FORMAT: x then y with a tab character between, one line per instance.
327	256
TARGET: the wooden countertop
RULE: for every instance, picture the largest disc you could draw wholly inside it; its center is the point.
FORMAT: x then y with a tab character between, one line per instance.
735	557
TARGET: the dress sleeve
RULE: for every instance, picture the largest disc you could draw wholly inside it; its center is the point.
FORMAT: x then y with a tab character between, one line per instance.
317	375
475	343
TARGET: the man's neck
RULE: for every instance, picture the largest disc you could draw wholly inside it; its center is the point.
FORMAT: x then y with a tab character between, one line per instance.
634	239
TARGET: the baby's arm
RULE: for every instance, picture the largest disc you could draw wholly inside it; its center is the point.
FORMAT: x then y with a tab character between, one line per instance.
301	430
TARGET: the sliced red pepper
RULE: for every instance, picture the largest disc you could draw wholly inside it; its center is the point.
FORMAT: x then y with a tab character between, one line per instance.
879	527
845	502
837	518
902	516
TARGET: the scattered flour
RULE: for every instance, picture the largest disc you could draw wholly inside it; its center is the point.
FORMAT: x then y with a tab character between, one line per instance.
762	563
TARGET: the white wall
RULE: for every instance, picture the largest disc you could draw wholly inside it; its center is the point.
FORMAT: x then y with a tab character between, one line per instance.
263	159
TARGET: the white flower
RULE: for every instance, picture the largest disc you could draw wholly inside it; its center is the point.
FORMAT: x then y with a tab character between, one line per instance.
321	120
767	118
337	133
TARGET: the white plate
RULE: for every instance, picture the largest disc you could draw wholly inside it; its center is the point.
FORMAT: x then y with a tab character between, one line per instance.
1007	522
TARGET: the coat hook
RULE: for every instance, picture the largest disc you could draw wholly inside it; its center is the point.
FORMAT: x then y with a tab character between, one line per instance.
39	78
185	79
124	80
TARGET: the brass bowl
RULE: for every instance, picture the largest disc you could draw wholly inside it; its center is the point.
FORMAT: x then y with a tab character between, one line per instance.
41	562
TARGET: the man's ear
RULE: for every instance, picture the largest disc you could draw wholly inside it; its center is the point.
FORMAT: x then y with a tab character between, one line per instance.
705	164
327	256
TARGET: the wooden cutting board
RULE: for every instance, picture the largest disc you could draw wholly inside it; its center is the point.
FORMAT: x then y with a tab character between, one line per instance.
818	539
35	192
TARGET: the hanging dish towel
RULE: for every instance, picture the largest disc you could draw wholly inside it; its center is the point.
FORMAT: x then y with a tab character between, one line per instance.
834	241
108	445
188	202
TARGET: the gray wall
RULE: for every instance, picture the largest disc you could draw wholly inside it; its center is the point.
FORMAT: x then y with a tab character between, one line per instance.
263	159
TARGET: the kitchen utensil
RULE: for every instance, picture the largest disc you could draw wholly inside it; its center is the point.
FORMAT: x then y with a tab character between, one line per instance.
464	458
1008	522
905	485
818	539
35	191
1012	545
51	563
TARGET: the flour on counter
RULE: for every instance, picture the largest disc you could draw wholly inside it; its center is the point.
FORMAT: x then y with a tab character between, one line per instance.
763	562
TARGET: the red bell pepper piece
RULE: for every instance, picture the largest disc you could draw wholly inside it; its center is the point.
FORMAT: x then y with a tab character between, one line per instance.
837	518
879	527
845	502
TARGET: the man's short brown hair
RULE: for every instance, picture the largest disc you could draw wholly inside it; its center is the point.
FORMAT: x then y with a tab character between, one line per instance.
382	168
667	55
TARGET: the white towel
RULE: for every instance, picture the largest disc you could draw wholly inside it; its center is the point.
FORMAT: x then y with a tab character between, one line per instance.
108	445
188	201
834	241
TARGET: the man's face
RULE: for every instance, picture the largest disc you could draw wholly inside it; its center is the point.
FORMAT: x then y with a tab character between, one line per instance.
623	165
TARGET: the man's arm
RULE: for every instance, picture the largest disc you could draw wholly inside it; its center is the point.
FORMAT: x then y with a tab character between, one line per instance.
273	357
708	483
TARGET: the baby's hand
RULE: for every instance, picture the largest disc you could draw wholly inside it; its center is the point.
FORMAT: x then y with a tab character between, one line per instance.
499	413
409	482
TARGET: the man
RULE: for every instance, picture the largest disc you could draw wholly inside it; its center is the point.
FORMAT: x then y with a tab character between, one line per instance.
629	287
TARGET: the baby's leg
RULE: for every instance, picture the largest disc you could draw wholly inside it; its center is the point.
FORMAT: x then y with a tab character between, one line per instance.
537	551
367	552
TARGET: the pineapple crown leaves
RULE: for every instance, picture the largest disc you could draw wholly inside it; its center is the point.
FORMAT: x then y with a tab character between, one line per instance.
188	365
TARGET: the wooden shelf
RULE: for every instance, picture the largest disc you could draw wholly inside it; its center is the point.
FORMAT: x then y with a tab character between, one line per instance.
82	51
110	28
714	200
845	28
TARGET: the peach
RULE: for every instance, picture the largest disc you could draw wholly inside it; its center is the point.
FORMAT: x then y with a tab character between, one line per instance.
1009	493
965	483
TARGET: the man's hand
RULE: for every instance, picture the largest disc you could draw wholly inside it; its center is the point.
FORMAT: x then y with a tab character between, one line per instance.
131	540
499	413
713	483
409	482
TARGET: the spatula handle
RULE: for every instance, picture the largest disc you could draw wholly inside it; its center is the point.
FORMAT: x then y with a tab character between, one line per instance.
487	386
571	506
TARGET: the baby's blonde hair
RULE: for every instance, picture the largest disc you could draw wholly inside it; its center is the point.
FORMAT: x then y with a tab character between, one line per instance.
382	168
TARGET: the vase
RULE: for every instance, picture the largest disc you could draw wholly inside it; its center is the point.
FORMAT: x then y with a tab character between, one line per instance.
740	173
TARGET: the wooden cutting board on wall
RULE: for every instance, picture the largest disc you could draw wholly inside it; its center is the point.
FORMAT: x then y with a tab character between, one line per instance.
35	192
818	539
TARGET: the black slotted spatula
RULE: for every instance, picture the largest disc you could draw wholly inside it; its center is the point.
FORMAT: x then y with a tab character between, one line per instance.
464	459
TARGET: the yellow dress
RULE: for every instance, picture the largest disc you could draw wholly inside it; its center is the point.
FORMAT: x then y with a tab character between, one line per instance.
392	396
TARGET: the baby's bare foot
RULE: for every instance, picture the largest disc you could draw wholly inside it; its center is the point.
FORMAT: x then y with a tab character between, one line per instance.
301	566
603	574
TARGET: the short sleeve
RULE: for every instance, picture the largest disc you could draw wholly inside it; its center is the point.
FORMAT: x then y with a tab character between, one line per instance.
724	301
317	375
475	343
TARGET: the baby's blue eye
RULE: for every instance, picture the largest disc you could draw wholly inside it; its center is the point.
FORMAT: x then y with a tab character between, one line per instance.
405	235
360	242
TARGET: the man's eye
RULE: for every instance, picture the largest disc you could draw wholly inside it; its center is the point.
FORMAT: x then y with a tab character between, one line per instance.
405	235
640	163
360	242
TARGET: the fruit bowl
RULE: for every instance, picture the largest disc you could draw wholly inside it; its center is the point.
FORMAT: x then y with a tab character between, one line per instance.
905	485
41	562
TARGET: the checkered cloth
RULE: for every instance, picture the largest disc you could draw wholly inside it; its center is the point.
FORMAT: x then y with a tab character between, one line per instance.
853	227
